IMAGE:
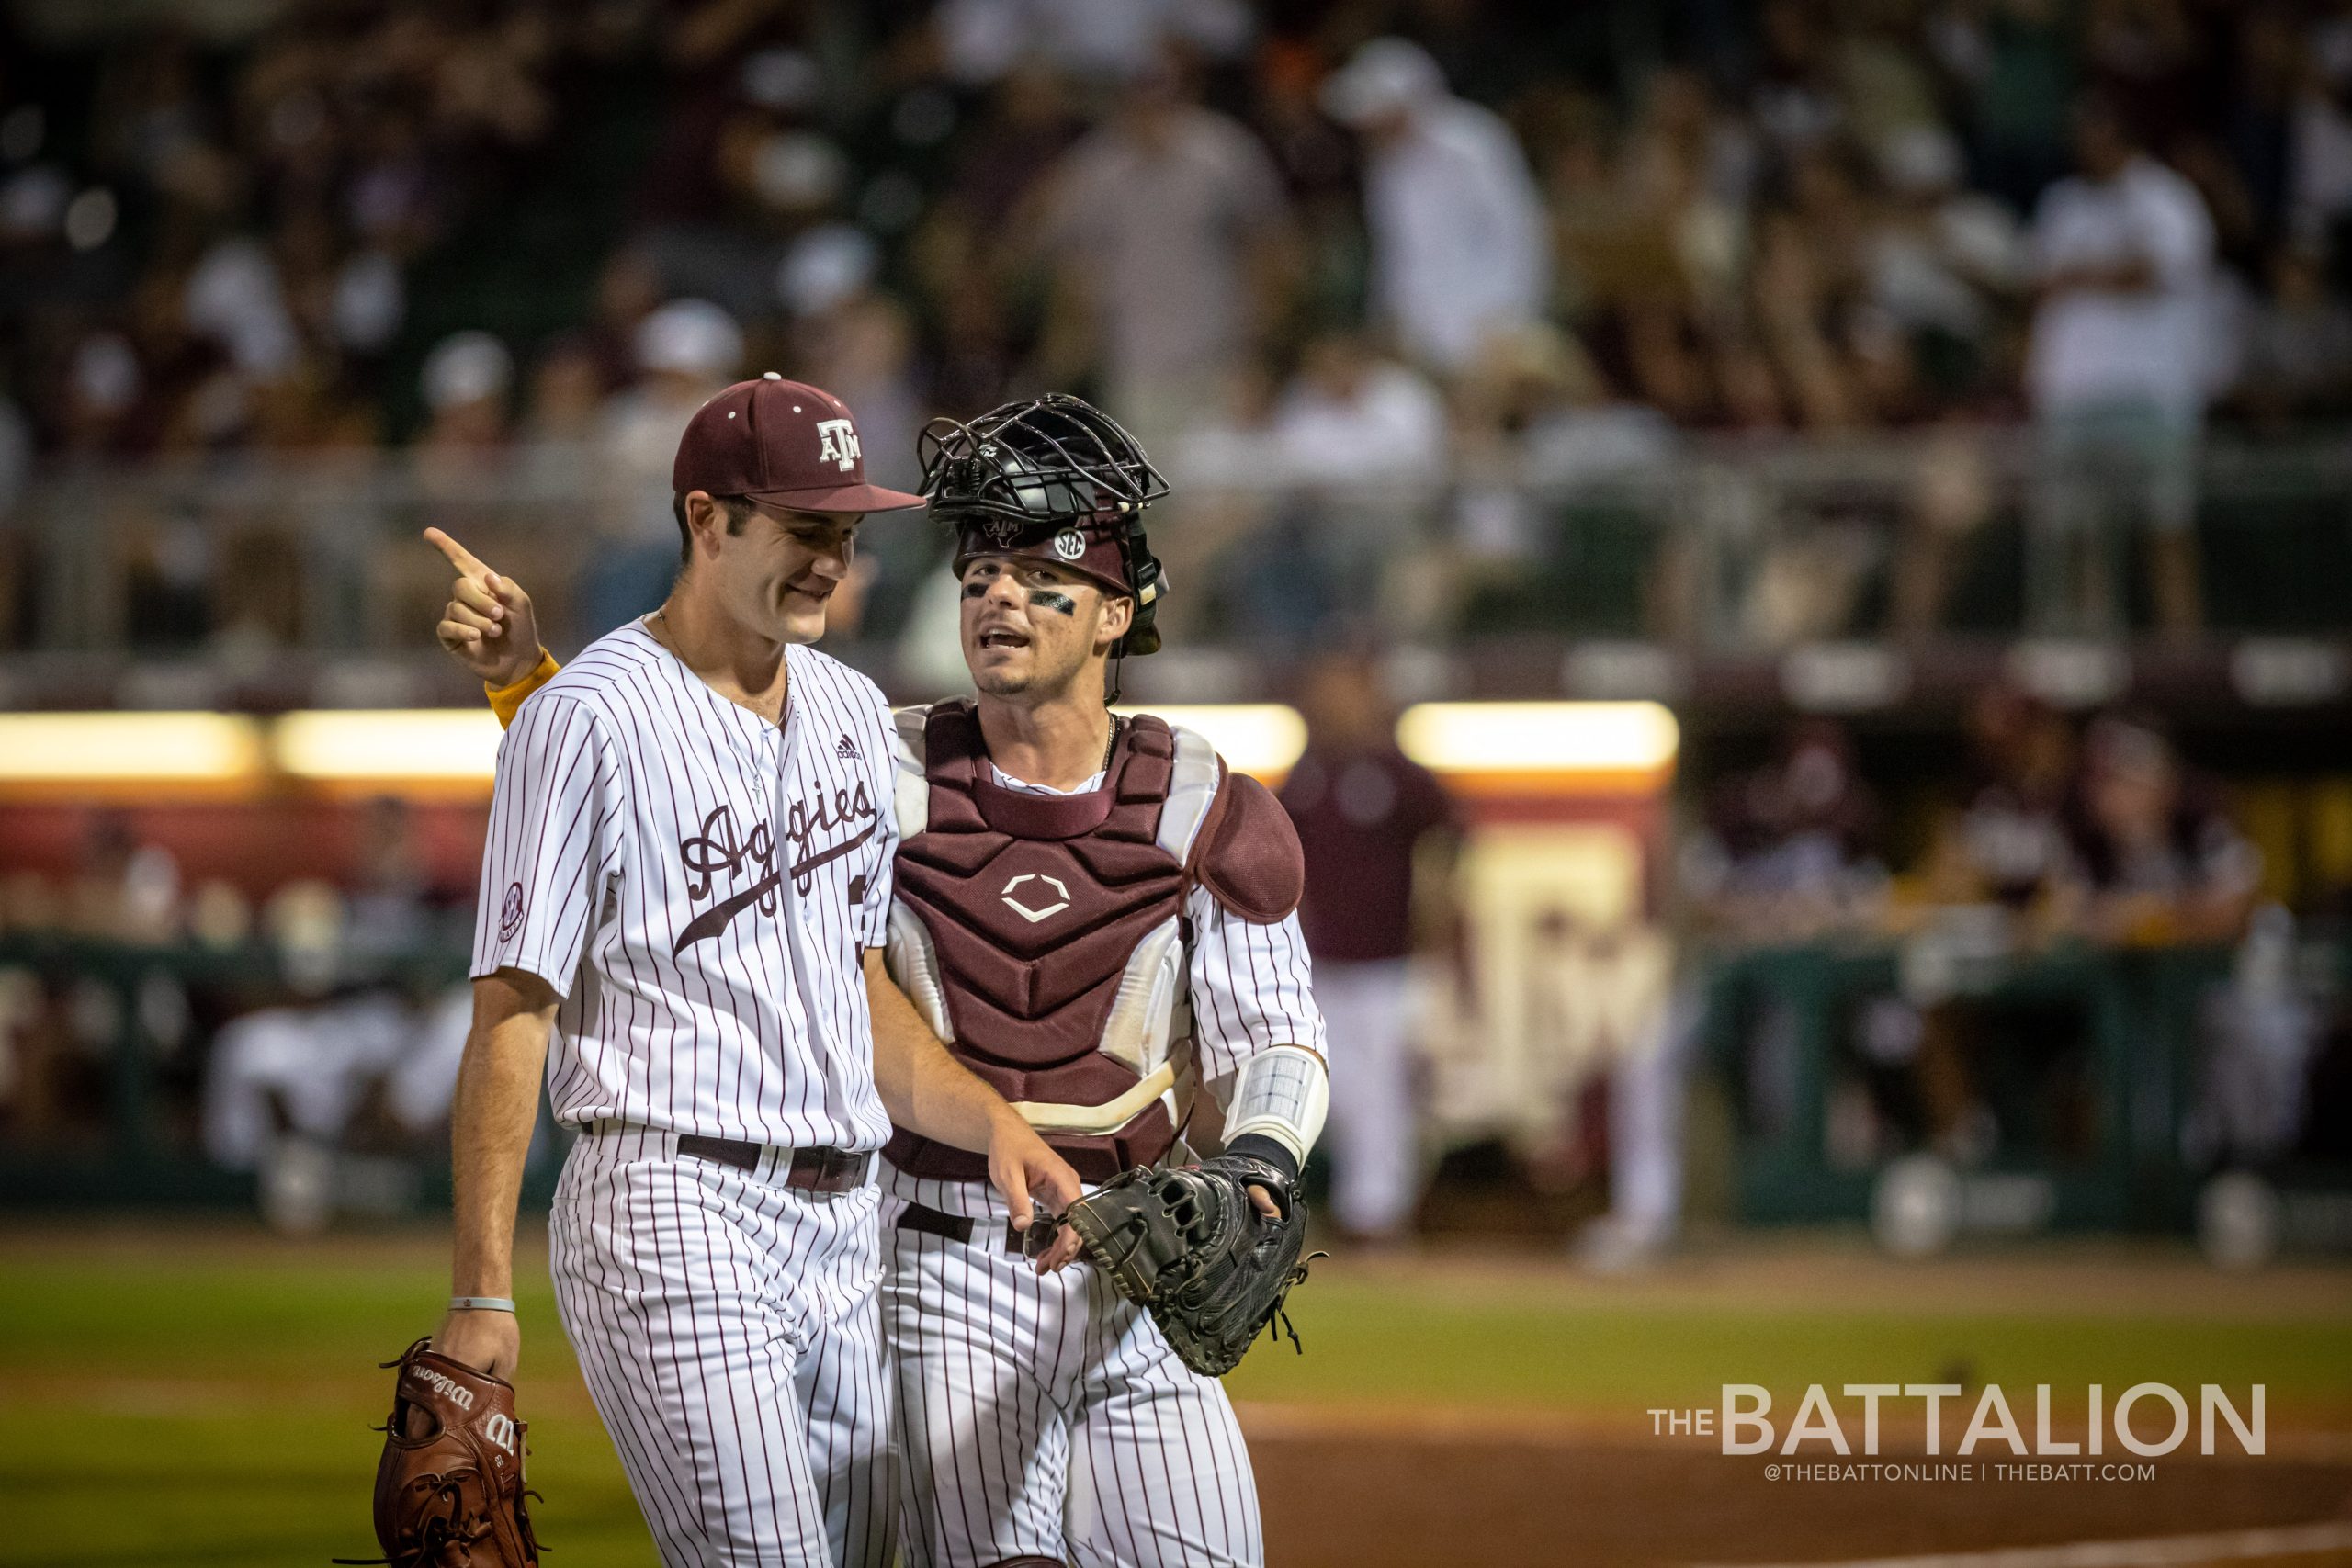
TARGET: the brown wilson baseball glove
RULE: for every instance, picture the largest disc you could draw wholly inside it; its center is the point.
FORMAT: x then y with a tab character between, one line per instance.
449	1488
1189	1246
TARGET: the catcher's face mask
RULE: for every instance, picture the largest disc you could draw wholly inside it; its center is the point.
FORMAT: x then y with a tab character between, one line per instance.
1056	481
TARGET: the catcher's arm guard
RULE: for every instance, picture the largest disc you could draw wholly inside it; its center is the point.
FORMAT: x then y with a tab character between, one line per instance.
449	1490
1189	1246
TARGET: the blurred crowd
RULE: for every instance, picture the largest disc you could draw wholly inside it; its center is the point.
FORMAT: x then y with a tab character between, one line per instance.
1352	246
2059	844
2055	950
328	1016
2092	832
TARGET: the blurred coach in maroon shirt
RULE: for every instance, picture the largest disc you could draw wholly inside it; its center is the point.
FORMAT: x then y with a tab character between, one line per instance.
1371	820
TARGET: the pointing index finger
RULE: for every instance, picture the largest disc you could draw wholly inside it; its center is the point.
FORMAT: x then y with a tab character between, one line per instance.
456	554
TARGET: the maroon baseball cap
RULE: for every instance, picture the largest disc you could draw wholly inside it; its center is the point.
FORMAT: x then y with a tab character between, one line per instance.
784	441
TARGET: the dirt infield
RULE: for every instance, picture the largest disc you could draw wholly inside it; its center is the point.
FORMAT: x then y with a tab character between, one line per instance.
1389	1496
1370	1486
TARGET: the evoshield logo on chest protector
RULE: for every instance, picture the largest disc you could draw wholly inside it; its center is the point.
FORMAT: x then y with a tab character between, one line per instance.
1027	912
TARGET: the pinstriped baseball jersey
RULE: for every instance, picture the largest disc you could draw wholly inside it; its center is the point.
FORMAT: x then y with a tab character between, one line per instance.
699	885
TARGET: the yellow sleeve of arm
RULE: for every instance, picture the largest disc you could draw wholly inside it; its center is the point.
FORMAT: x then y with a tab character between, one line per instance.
506	701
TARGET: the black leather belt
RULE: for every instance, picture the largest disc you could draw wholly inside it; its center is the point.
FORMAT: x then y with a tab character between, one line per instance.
955	1227
812	1170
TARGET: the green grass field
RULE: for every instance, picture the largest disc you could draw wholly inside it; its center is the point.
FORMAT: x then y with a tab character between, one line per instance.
203	1395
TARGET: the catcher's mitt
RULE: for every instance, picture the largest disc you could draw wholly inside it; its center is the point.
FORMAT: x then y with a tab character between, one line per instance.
449	1488
1189	1244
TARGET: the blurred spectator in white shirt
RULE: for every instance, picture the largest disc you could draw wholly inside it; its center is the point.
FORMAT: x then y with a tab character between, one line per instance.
1365	443
1458	233
560	426
2125	251
1353	449
858	343
2117	376
127	888
1169	236
1535	423
1942	260
854	340
235	298
460	463
1796	101
1352	418
466	380
687	351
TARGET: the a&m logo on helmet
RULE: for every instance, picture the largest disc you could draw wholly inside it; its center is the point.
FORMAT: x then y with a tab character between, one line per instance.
837	442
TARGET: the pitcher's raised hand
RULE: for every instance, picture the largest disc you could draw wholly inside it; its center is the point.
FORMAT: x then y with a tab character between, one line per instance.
488	625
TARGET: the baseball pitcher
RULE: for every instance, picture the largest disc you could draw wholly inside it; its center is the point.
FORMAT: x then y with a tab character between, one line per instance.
685	895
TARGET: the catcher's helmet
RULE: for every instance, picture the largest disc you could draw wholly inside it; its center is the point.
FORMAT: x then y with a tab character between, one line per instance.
1055	479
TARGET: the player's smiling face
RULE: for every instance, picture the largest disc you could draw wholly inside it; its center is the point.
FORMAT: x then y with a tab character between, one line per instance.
1030	626
778	574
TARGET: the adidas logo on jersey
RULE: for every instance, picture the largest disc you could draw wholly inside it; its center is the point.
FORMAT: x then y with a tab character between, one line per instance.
847	747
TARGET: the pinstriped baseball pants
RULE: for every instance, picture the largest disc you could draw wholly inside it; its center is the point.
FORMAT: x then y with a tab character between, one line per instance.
1048	1417
727	1327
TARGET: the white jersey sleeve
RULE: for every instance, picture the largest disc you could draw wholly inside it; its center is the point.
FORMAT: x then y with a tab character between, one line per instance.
1250	986
555	822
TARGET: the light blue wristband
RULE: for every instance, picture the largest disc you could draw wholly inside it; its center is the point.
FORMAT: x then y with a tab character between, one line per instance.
480	1303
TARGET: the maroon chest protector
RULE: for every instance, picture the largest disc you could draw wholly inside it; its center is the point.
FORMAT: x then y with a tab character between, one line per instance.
1034	906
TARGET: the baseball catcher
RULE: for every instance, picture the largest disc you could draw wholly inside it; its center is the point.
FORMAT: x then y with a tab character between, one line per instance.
449	1488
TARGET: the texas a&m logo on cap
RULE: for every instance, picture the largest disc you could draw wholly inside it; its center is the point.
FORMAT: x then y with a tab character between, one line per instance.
782	443
837	442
